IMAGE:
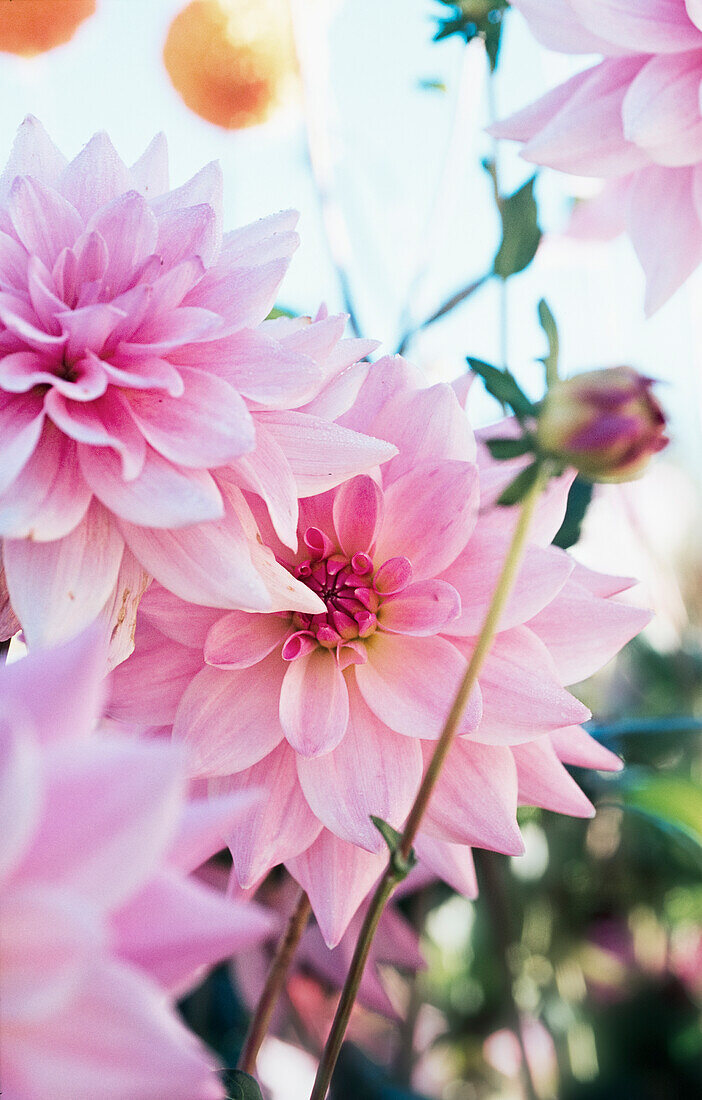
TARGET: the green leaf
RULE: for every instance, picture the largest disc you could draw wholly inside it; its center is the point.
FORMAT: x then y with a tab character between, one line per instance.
672	802
242	1087
518	489
503	386
579	499
401	865
510	448
520	231
548	324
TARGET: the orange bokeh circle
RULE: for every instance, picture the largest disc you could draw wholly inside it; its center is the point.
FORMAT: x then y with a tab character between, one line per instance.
29	27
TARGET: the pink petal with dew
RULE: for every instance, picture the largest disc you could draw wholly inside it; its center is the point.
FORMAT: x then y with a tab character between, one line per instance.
185	623
314	703
241	639
61	690
88	330
543	781
183	234
266	472
451	862
427	425
358	514
162	496
130	232
243	296
245	242
141	1049
150	172
208	425
665	229
372	771
339	395
105	852
277	828
420	609
649	26
522	695
33	154
336	876
43	220
175	928
13	264
97	176
21	423
322	455
555	25
575	746
58	588
204	826
409	683
205	187
105	422
609	625
227	721
430	513
148	688
19	786
390	377
586	136
49	497
21	323
661	109
50	940
475	799
475	574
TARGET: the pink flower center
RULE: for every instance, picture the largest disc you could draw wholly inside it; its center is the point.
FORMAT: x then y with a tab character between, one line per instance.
352	589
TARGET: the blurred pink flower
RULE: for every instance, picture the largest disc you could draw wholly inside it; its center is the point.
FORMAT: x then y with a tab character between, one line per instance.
335	714
101	923
139	391
635	117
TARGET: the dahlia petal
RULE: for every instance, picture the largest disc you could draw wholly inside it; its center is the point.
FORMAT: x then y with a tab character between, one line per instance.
475	573
174	928
274	829
119	613
579	653
665	229
97	176
49	941
266	471
410	683
150	171
104	422
339	395
43	220
162	496
602	217
555	25
9	623
62	690
21	371
228	720
244	296
371	771
13	264
146	374
390	378
475	799
525	124
601	584
208	425
243	243
522	696
148	689
358	514
575	746
21	423
205	187
586	136
130	231
453	863
19	789
661	109
421	609
185	623
19	319
649	26
543	781
49	496
204	825
314	703
89	327
168	291
124	849
430	513
336	876
183	234
322	455
59	587
240	639
139	1049
42	294
427	425
33	154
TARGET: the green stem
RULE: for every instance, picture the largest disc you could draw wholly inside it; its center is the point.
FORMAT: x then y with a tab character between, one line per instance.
275	980
393	872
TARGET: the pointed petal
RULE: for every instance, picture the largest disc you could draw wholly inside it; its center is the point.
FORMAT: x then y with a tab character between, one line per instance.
204	826
104	422
240	639
427	425
33	154
575	746
95	177
358	514
129	229
665	229
150	171
266	472
147	689
314	703
543	781
182	622
43	220
649	26
49	497
21	423
421	609
555	25
661	109
451	862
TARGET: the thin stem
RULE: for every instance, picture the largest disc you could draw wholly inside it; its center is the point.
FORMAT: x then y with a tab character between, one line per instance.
393	872
446	307
275	981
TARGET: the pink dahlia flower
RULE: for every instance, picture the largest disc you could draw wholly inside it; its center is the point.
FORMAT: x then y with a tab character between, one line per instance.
100	923
140	392
335	713
634	117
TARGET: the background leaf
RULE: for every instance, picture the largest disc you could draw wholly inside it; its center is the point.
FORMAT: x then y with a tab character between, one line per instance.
520	231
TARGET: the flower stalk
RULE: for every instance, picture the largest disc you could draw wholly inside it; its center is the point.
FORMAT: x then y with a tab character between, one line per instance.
401	857
275	980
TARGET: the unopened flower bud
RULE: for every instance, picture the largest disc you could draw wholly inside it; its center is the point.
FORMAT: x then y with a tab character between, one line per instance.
606	423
